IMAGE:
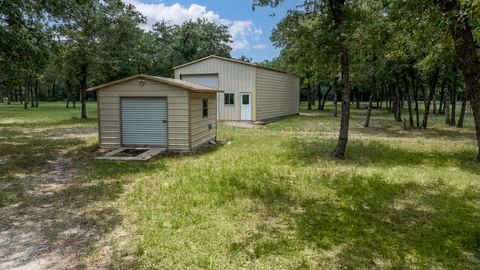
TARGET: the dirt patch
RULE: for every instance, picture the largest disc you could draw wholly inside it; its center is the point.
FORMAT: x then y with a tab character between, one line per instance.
311	113
72	133
241	124
25	240
57	226
7	121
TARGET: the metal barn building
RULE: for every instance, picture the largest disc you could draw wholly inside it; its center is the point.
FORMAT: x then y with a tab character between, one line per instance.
252	92
152	111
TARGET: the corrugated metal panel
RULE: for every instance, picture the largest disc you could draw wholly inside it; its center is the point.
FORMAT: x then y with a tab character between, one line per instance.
144	121
110	115
209	80
277	94
233	78
203	129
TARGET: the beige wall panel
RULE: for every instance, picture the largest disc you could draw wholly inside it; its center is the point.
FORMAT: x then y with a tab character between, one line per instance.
277	94
233	78
200	131
177	99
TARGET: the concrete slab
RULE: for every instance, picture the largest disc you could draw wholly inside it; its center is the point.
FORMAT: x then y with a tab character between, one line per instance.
150	153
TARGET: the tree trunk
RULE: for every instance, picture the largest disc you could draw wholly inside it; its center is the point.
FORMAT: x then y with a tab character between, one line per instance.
25	95
441	108
415	98
338	12
309	97
462	111
83	88
335	97
322	106
388	91
54	92
73	99
357	98
313	97
402	98
428	100
36	92
69	94
319	94
453	101
398	101
447	105
20	93
409	102
393	106
32	96
335	105
373	90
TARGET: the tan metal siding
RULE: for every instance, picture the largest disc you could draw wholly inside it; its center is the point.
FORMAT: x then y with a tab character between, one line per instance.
199	126
277	94
232	77
109	116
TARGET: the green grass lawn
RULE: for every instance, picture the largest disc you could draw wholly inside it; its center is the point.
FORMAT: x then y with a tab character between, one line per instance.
273	198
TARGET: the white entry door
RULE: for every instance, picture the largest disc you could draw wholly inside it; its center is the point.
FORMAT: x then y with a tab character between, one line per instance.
245	107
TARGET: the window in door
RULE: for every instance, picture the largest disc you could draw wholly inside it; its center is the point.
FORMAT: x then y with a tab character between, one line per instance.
245	99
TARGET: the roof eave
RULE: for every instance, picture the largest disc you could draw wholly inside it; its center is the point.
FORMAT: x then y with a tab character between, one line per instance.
208	91
155	79
231	60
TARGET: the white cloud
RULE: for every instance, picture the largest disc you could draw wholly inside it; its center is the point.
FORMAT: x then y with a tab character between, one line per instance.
259	46
242	32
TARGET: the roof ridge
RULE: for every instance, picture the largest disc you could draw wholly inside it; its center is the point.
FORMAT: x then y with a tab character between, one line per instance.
230	60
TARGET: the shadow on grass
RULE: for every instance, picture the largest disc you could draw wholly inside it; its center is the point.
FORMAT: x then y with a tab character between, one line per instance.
48	123
450	134
367	223
303	152
55	197
21	154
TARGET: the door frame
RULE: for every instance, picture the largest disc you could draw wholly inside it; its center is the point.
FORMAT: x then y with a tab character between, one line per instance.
249	103
120	114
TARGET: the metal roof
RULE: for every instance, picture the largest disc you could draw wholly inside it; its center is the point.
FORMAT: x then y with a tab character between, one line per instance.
175	82
230	60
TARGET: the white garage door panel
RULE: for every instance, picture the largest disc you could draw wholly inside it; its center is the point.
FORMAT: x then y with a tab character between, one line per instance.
207	80
144	121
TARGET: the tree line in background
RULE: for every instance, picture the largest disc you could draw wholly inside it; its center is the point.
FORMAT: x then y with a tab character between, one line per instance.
54	50
395	52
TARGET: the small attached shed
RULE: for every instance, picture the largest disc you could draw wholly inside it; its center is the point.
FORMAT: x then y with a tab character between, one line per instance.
149	111
252	92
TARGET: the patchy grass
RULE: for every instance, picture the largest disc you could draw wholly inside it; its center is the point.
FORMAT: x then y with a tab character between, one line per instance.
273	198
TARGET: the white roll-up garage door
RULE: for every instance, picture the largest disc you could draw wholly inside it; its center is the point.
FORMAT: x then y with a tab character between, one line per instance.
144	121
210	80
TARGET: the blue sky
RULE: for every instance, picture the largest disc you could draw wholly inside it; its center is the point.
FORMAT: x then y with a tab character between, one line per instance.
250	29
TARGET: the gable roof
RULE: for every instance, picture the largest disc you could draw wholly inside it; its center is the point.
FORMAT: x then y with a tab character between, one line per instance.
175	82
230	60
